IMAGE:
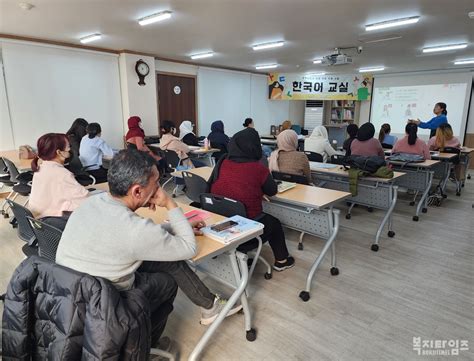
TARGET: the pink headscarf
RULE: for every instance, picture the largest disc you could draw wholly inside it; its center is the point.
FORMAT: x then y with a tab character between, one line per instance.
287	141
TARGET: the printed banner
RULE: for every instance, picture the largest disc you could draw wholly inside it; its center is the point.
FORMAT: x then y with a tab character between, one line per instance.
297	86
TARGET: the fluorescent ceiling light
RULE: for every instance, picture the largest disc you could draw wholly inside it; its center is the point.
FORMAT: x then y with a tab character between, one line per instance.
444	48
154	18
317	61
275	44
267	66
202	55
316	74
392	23
462	62
89	38
369	70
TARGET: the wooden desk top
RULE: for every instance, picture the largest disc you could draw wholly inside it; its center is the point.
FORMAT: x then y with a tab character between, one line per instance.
467	150
204	151
443	156
21	164
340	171
310	196
203	172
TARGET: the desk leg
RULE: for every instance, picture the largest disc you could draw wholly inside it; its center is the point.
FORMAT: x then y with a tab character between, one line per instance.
387	217
424	198
242	277
447	170
305	295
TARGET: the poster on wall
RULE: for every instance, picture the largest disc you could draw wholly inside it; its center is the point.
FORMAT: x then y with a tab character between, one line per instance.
300	86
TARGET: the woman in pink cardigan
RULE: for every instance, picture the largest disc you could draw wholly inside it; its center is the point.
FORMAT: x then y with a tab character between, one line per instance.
411	143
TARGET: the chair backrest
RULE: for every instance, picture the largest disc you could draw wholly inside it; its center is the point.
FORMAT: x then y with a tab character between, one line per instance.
12	170
337	159
452	150
226	207
172	158
387	146
314	157
25	232
195	186
3	167
296	128
290	177
48	238
131	145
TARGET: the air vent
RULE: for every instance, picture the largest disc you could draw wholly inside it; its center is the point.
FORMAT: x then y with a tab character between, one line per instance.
314	104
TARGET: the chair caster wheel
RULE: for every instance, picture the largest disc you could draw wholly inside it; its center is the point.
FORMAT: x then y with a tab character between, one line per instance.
374	247
424	210
251	335
391	234
15	225
268	276
304	296
445	196
458	194
334	271
348	216
468	176
412	203
300	246
416	218
370	209
6	215
348	204
173	195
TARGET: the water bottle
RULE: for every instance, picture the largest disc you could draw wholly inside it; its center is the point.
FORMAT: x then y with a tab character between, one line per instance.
334	144
206	144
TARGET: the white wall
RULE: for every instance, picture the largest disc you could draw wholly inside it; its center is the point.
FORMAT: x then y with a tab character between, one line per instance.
140	100
49	86
470	120
6	134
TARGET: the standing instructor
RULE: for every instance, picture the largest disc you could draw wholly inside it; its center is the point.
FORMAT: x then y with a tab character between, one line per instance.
435	122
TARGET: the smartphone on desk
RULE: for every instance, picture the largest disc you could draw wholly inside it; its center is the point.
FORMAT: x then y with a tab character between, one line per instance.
223	226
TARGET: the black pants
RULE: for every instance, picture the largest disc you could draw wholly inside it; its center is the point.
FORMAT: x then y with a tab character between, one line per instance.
100	175
160	289
273	233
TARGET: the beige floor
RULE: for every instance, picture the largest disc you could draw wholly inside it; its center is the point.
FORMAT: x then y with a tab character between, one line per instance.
420	284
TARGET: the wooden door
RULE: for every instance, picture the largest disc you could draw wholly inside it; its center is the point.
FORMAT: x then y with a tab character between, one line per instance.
176	98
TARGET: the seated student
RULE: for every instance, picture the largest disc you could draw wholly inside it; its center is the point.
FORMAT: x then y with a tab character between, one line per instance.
285	125
318	143
411	143
92	149
54	190
186	134
287	159
169	142
241	176
218	139
444	138
365	144
106	238
352	131
248	123
75	135
385	138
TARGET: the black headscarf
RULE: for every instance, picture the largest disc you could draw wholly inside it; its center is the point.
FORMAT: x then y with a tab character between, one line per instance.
366	131
245	146
352	130
217	135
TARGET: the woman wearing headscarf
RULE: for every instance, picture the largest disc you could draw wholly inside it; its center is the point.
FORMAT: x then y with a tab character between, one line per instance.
218	139
241	176
352	131
287	159
365	144
186	134
318	143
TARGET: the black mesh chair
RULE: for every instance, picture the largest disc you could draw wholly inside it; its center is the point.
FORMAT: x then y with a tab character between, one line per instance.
172	162
25	232
21	184
228	207
131	145
337	159
195	186
314	157
48	238
387	146
290	178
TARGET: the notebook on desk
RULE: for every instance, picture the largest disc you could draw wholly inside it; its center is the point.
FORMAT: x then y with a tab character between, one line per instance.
284	186
231	229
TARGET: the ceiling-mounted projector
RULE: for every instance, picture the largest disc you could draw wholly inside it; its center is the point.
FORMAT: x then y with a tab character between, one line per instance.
336	59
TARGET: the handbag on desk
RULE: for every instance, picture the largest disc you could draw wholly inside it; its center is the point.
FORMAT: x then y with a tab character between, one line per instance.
26	152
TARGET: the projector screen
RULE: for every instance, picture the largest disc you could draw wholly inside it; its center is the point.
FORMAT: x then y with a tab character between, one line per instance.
395	100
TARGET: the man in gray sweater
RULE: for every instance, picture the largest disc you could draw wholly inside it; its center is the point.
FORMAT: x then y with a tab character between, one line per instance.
104	237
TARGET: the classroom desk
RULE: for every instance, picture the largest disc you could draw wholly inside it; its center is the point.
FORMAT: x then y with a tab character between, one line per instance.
195	152
309	210
373	192
203	172
442	172
219	260
22	164
466	154
418	177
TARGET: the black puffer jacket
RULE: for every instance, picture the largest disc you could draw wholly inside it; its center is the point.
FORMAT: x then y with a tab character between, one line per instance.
54	313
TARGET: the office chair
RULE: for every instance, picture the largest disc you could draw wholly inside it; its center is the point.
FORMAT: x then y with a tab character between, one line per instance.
290	177
48	238
387	146
314	157
195	186
337	159
229	207
21	184
25	232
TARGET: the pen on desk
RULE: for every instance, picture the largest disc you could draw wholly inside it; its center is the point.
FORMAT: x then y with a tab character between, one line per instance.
194	215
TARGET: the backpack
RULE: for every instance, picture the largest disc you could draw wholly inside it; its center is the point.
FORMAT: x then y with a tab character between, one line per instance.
406	158
367	164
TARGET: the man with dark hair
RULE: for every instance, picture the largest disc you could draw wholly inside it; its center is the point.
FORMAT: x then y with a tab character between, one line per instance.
106	238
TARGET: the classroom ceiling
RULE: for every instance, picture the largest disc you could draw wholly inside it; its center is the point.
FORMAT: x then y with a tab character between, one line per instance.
310	28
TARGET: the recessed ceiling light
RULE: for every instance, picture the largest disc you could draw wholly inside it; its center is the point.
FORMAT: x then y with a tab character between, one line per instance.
379	40
471	15
202	55
316	74
392	23
26	6
433	49
267	66
90	38
154	18
369	70
317	61
463	62
275	44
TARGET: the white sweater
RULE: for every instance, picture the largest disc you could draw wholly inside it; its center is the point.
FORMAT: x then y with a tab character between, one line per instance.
319	145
